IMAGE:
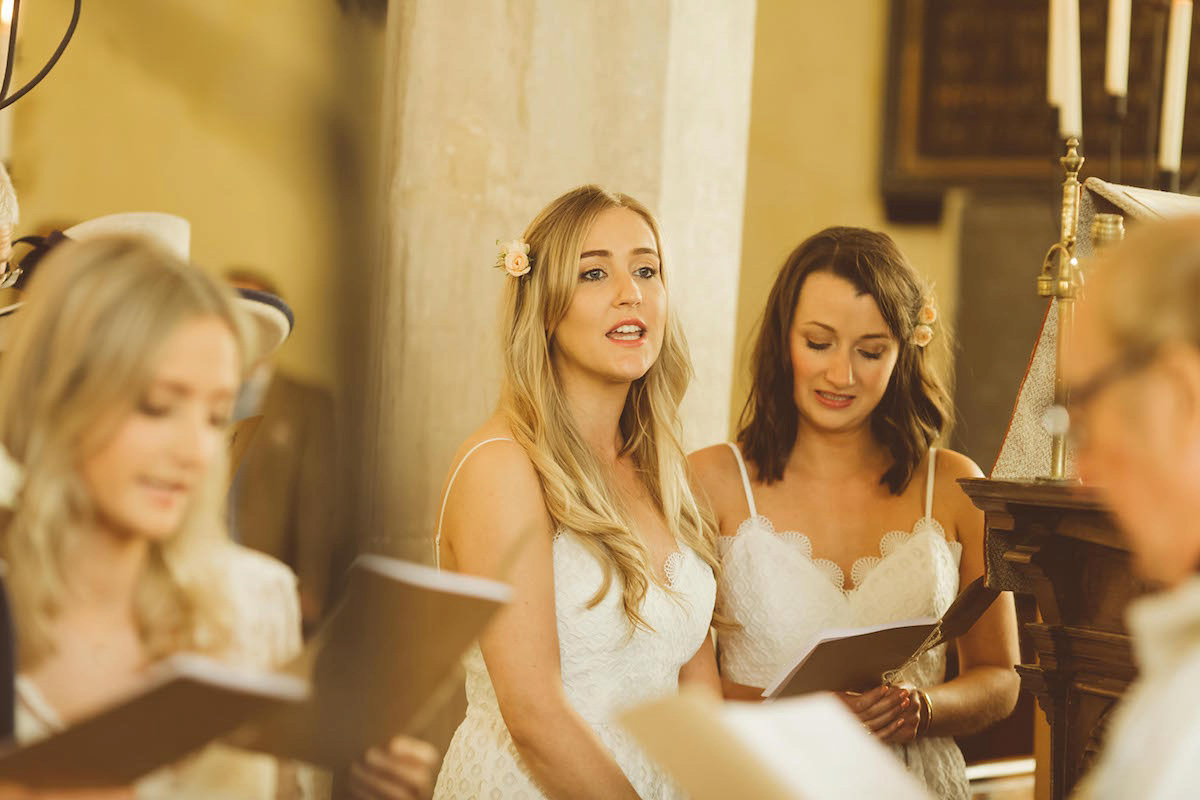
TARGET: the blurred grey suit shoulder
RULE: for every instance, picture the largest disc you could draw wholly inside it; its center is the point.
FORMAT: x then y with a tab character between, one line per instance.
286	489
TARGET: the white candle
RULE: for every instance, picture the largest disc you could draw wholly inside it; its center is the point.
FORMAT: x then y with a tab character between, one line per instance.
1070	121
1054	55
1116	64
1179	39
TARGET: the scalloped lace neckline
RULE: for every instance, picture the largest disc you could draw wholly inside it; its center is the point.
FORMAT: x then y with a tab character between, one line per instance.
862	566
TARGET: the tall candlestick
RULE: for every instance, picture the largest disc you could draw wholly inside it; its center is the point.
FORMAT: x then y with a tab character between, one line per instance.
1054	55
1116	64
1071	120
1179	35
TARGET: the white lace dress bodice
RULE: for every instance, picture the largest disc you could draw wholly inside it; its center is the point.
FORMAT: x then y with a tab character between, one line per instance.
607	665
783	597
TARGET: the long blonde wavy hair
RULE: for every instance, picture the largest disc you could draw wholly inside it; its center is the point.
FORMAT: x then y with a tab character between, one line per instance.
84	352
578	488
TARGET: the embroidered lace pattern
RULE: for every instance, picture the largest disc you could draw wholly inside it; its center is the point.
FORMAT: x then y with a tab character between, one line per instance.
606	666
782	596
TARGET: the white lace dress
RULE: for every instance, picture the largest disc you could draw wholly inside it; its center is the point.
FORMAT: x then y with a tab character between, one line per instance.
606	666
266	609
783	597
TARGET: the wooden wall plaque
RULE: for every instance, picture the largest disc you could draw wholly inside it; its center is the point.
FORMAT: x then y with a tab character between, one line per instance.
966	100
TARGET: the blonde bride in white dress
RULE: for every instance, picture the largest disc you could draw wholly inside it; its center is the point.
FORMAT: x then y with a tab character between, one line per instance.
835	510
575	492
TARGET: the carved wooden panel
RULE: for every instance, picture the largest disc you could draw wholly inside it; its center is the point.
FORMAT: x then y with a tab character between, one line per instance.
1059	544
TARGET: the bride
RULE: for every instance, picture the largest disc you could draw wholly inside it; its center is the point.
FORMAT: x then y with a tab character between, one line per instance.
576	491
833	463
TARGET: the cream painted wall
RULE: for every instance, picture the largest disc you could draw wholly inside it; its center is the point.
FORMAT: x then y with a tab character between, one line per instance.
216	110
816	122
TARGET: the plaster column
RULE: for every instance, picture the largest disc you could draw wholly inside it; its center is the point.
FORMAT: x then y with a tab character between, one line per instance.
491	111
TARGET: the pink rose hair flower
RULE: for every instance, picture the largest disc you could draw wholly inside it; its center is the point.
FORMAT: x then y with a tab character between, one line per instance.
514	257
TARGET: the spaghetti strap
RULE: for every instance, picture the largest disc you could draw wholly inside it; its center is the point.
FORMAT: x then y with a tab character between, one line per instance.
437	539
737	453
929	483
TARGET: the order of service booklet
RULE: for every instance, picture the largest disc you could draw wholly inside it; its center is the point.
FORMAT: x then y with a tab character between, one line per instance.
181	704
857	659
800	748
383	664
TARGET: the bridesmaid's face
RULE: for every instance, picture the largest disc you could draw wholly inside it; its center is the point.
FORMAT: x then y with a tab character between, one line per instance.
143	477
613	329
842	351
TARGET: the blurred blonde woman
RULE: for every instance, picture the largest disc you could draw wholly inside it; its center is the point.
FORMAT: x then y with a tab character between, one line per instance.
578	481
115	394
1134	377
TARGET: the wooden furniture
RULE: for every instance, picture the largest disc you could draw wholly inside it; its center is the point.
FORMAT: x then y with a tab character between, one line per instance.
1059	544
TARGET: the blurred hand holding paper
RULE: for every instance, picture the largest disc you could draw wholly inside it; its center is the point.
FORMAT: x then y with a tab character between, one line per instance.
808	748
857	659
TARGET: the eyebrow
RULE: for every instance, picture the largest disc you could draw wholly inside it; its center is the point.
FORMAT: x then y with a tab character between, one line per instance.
637	251
833	330
180	389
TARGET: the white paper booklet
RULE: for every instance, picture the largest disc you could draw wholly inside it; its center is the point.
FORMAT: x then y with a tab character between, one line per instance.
803	748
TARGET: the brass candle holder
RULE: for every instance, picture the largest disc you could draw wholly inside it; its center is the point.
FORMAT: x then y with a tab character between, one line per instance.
1060	279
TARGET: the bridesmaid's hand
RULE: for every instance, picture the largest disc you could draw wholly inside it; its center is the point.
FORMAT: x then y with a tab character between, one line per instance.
404	770
886	711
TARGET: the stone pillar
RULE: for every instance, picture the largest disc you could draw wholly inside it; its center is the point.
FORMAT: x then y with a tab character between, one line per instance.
494	109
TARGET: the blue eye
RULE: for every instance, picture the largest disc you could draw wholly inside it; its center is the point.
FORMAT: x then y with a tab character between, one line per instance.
646	272
817	345
593	274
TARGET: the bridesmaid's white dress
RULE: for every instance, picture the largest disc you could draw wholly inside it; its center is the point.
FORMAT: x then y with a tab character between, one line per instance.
607	665
783	598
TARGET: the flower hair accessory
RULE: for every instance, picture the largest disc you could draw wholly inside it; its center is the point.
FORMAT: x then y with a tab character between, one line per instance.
514	257
923	333
12	477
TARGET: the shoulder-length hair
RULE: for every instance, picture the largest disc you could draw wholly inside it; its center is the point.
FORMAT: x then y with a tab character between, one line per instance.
915	408
85	349
578	489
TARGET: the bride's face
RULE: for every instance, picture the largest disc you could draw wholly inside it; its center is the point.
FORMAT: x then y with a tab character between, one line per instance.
842	352
143	477
613	328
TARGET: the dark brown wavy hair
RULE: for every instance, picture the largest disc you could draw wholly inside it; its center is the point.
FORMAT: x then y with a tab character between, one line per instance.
915	408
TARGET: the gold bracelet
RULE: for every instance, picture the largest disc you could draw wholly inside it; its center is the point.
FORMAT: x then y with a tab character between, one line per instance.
928	720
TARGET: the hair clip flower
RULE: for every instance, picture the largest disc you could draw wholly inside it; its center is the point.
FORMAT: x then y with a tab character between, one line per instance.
12	477
923	333
514	257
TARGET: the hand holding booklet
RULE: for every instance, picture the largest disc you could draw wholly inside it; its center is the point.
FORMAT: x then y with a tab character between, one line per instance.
380	666
857	659
803	748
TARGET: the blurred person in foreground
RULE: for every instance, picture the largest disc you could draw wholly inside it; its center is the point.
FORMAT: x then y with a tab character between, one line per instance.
115	395
281	499
1134	380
